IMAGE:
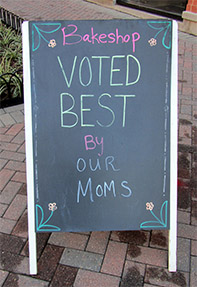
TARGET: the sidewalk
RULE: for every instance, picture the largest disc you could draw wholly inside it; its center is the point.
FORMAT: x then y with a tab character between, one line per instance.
100	259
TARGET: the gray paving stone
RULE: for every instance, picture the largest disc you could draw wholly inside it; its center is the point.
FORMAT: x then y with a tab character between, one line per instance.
82	259
7	120
14	108
183	254
2	111
1	124
18	116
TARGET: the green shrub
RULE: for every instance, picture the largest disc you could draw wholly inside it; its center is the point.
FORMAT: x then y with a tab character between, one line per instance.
10	64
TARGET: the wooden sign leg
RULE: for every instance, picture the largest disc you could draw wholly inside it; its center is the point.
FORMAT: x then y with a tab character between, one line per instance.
32	253
172	248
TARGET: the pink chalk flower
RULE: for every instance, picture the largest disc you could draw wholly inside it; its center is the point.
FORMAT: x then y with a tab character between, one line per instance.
149	206
52	43
152	42
52	206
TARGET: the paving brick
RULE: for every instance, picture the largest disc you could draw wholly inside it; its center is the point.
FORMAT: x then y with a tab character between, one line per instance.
114	258
22	148
162	277
48	261
12	155
183	217
159	238
193	274
133	237
14	262
133	274
19	177
3	130
9	192
194	247
24	281
5	176
147	255
7	120
70	240
41	241
15	129
185	131
183	254
21	228
16	165
9	146
187	231
87	278
6	138
11	244
64	276
149	285
23	189
19	139
3	208
16	208
82	259
6	225
3	276
98	242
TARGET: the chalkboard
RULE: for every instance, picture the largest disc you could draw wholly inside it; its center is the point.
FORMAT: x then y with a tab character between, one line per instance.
100	97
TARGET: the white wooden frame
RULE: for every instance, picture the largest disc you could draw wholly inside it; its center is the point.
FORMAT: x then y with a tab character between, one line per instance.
172	254
172	245
29	150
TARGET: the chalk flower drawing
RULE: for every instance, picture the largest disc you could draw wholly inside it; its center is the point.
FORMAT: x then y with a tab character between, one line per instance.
149	206
164	29
41	32
42	225
52	206
158	222
52	43
152	42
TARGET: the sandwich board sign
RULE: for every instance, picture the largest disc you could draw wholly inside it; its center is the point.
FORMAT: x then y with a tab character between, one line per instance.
101	131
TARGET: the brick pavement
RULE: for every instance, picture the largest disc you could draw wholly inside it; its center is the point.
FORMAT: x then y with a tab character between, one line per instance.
111	259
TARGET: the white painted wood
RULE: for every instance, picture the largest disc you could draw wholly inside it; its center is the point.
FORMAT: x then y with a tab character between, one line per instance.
29	150
172	248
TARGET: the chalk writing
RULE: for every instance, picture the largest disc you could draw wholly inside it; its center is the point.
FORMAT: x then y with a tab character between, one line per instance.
102	190
70	119
71	37
107	164
91	144
88	66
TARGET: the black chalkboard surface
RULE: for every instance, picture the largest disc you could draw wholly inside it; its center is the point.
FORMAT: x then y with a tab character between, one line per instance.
100	95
